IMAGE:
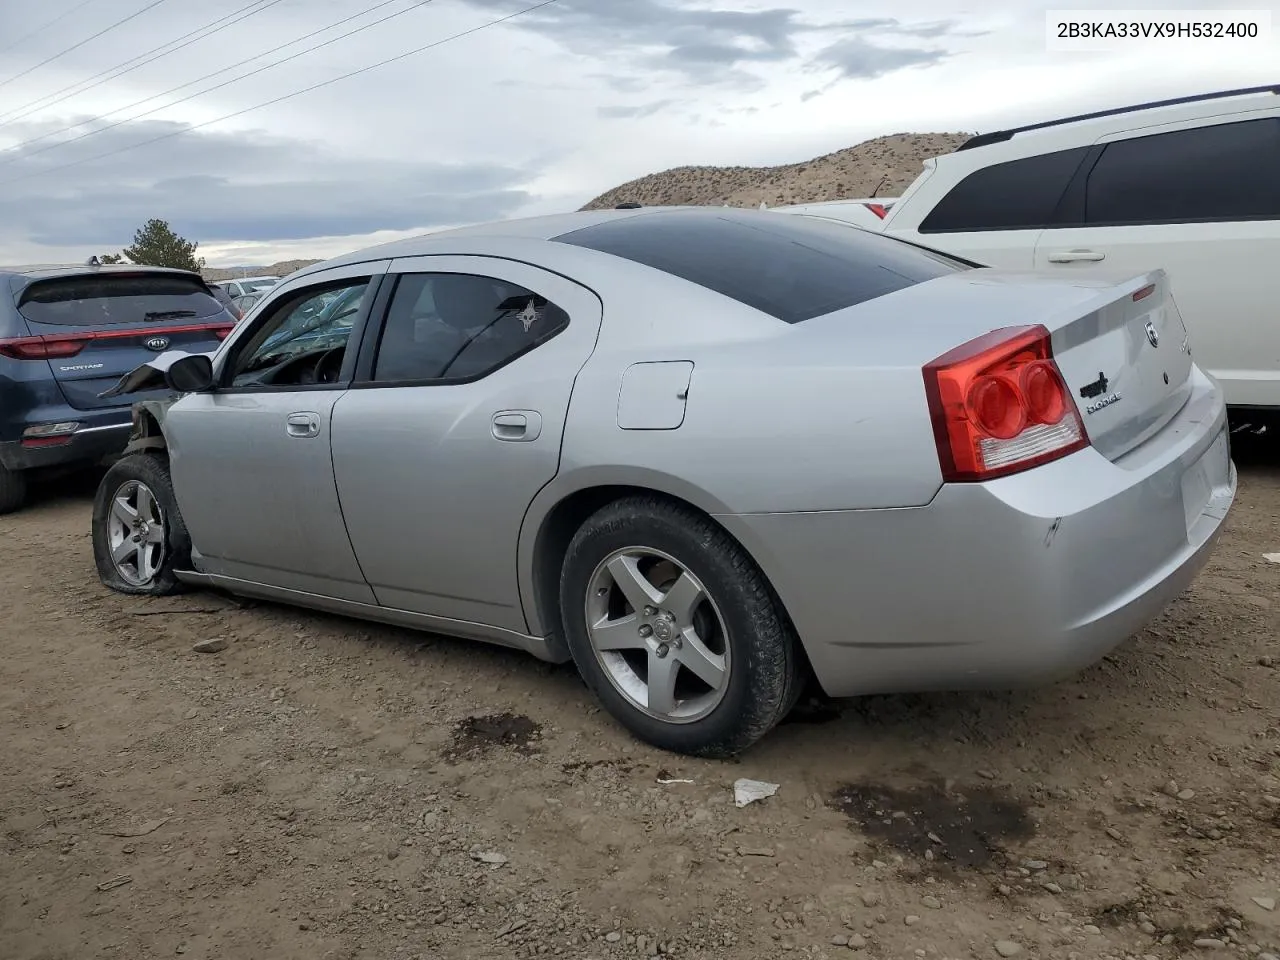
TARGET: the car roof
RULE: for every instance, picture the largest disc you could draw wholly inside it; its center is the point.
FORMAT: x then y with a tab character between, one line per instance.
474	239
1198	105
1084	129
42	270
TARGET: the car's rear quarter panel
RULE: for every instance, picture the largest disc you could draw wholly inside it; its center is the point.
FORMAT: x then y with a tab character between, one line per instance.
775	421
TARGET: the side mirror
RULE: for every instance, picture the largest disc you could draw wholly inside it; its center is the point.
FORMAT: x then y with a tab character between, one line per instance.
192	374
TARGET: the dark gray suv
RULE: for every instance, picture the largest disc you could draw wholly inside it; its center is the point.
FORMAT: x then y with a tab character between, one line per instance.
67	333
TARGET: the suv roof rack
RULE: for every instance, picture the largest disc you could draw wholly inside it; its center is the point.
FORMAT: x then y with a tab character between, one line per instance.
998	136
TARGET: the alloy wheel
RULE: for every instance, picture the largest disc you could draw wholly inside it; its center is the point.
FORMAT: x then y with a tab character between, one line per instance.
658	635
136	533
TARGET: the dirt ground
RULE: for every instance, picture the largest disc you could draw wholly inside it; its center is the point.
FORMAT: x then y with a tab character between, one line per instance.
322	788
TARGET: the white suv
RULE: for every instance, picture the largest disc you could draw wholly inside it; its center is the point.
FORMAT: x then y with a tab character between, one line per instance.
1191	185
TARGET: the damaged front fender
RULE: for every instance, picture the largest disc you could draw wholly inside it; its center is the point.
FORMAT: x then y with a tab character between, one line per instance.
147	429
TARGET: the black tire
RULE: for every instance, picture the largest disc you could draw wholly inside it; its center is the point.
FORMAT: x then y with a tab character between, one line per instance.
13	490
766	672
151	471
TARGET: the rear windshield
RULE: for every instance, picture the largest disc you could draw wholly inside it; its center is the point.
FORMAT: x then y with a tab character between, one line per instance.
127	298
792	268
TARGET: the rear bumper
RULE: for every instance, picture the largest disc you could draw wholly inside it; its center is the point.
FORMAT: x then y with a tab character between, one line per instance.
93	442
1012	583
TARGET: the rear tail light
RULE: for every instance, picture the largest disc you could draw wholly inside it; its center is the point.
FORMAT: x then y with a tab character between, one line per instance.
55	346
879	209
999	405
41	348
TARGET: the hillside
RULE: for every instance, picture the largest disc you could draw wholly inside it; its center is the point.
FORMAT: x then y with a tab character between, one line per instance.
890	163
281	269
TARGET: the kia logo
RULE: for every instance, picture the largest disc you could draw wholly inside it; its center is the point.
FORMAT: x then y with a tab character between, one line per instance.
156	343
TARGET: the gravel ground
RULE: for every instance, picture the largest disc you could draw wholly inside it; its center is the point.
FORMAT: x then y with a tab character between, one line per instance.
323	788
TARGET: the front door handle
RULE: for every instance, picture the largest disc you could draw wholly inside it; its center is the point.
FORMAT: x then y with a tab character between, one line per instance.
303	425
519	426
1076	256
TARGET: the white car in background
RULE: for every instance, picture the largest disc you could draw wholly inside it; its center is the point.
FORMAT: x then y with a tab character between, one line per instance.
243	286
1191	185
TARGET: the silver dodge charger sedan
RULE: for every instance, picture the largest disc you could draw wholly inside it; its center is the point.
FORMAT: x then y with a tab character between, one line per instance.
705	454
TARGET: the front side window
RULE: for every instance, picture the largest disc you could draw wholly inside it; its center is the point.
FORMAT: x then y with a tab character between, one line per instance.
1228	171
304	340
455	327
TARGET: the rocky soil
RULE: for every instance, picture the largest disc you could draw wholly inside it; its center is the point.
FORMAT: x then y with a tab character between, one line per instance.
882	167
311	787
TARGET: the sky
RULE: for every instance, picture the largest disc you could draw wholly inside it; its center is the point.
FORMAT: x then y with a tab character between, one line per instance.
185	112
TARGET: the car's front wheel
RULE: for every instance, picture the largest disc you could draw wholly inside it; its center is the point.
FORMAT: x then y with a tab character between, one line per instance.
139	538
676	630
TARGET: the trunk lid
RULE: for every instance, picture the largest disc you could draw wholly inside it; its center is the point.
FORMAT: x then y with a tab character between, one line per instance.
1118	339
95	327
1127	361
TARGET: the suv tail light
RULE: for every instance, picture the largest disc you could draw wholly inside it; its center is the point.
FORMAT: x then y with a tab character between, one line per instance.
56	346
999	405
879	209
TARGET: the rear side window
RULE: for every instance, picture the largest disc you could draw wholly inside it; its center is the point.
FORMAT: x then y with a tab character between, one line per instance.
104	299
792	268
1228	171
1016	195
452	326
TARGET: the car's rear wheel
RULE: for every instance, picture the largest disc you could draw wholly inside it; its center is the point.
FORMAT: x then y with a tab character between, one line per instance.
139	538
676	630
13	490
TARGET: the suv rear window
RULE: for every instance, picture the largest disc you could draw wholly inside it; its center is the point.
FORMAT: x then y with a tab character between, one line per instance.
792	268
100	299
1015	195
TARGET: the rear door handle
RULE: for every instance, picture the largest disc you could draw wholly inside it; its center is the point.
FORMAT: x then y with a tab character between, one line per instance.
517	426
1076	256
303	425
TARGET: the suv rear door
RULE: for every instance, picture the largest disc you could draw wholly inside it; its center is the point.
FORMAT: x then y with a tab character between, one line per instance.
1202	200
96	326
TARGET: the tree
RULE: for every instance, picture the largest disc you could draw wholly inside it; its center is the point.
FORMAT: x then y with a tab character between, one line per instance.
155	244
111	258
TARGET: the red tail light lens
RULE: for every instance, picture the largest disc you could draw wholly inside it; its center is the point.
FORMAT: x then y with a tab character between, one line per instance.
41	348
999	405
879	209
51	347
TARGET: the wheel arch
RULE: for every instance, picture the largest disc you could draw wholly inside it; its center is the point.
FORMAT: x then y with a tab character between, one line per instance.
146	432
562	507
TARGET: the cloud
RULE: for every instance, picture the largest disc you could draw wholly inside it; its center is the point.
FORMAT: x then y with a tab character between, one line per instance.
712	46
856	59
240	185
635	111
